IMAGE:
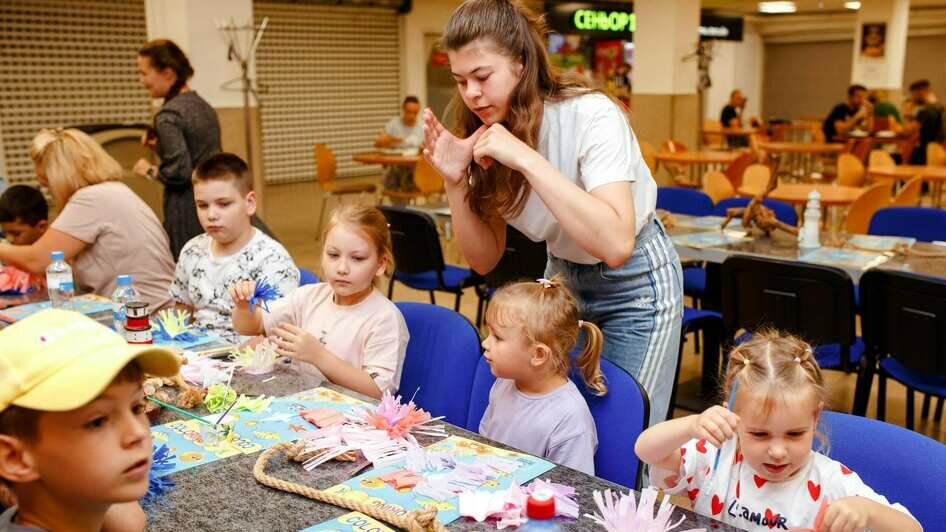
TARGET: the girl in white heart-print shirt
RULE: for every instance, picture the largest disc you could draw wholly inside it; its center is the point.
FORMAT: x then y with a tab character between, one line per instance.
768	478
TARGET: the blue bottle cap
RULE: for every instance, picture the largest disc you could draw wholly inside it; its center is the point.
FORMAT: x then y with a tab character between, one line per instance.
123	280
57	255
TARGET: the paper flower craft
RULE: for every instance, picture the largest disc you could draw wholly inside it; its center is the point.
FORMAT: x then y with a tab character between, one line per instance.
399	419
256	360
219	397
174	325
14	281
203	371
162	460
618	512
263	294
566	504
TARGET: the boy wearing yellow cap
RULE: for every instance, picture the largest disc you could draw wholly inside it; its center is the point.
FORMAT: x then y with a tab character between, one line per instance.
74	439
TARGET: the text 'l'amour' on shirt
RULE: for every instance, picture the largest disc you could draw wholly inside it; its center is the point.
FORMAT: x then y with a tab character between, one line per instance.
371	335
202	280
556	425
589	141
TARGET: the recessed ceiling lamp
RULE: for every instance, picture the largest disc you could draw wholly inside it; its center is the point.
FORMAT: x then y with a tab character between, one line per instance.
776	7
852	5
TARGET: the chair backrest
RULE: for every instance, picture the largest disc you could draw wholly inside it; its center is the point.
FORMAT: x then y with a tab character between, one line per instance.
880	159
860	149
756	177
414	239
881	123
709	126
522	259
850	170
427	180
674	146
935	154
759	292
684	201
909	195
902	465
648	152
738	167
441	358
307	277
904	316
922	223
863	208
717	186
620	416
325	164
783	211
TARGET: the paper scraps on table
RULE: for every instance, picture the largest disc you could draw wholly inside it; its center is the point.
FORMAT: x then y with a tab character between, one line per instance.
174	325
14	281
203	372
398	419
162	462
508	506
219	397
619	513
247	403
566	500
256	360
322	417
263	294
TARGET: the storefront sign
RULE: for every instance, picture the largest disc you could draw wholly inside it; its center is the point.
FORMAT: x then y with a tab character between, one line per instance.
616	20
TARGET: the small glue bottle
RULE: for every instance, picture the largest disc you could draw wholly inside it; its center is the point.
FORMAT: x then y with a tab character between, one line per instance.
137	324
540	509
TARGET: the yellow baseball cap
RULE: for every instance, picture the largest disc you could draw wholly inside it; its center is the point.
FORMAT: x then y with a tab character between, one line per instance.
57	360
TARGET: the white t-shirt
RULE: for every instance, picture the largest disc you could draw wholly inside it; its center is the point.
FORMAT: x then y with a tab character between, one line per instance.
736	495
588	139
201	279
411	136
371	335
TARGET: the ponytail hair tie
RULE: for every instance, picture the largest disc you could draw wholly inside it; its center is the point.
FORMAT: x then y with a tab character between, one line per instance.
745	360
581	323
544	282
797	360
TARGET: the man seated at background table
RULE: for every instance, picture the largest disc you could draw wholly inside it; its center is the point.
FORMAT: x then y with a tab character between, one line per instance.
855	113
924	118
404	132
885	111
731	118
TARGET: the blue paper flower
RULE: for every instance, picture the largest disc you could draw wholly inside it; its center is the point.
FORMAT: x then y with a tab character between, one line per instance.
162	462
263	293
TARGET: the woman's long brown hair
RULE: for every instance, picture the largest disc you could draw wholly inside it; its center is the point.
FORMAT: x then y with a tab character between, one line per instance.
520	35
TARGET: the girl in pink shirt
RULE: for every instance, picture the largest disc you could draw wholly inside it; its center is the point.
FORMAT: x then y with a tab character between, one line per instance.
342	328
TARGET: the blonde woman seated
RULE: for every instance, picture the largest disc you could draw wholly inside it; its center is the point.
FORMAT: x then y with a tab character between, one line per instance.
103	228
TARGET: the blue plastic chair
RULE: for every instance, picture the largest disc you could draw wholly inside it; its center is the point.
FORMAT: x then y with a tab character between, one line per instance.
783	211
711	324
922	223
902	465
307	277
441	358
684	201
620	416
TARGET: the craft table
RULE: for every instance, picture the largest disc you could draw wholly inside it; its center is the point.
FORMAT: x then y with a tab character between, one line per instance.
223	495
387	159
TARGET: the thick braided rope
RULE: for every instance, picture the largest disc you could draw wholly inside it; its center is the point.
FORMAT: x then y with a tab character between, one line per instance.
414	521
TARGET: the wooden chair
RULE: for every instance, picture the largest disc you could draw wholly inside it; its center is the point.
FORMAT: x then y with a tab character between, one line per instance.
711	139
326	166
851	172
756	178
427	180
717	186
880	159
935	154
863	208
648	152
738	167
678	172
755	140
909	195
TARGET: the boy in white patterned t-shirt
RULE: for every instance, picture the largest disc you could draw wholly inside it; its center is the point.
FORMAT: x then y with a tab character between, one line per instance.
231	249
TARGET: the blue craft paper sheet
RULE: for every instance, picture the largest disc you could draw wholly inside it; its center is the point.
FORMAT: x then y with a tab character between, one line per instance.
253	431
351	522
844	257
84	304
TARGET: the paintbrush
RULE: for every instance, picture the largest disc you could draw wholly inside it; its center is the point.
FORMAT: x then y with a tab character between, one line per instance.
181	411
732	397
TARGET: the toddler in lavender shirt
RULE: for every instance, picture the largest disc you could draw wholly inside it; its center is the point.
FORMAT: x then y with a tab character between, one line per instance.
533	406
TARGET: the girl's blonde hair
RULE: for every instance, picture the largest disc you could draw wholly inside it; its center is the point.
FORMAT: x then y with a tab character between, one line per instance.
547	312
70	160
521	35
776	366
372	224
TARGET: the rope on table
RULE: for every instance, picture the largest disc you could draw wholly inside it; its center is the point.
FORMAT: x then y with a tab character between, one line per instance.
414	521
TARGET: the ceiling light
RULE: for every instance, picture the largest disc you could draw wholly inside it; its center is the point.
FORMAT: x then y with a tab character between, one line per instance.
852	5
776	7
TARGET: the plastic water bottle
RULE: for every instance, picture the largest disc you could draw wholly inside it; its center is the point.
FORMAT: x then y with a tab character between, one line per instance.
66	291
124	292
57	272
540	509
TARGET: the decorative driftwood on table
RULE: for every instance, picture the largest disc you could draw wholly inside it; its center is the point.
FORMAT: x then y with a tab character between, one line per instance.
756	214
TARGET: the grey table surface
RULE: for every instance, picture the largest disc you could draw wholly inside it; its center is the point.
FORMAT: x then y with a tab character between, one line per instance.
223	495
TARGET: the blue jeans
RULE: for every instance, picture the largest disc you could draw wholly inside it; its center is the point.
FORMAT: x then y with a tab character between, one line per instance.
639	308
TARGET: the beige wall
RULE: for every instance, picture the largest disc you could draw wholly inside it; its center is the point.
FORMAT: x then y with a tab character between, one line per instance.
426	17
925	60
803	79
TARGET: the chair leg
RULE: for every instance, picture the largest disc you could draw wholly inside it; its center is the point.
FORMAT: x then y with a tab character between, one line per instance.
456	304
925	409
881	396
318	233
911	408
432	300
938	416
865	377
